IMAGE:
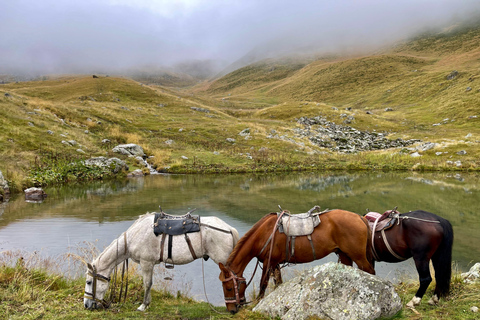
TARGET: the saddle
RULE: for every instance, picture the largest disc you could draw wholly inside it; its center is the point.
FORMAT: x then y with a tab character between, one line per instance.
298	225
302	224
382	221
175	225
166	224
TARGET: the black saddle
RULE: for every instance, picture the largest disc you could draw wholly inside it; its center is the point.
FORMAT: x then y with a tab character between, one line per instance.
175	225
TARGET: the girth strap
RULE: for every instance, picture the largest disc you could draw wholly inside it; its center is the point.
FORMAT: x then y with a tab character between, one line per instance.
170	244
309	237
162	245
187	239
388	246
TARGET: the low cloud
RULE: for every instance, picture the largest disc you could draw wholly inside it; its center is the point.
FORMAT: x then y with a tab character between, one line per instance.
106	35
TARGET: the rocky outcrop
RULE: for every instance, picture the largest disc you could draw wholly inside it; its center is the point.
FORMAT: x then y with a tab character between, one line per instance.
332	291
326	134
114	164
130	149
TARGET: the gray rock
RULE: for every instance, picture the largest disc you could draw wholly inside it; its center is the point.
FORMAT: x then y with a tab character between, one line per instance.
426	146
114	164
473	275
49	132
462	152
468	89
136	173
34	194
332	291
244	132
326	134
388	109
415	155
231	140
106	141
129	149
4	184
200	109
452	75
169	142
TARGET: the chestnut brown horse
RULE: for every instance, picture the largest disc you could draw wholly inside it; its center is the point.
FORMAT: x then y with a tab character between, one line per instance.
423	236
343	232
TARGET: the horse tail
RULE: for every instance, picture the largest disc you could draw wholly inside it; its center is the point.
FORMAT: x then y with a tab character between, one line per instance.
442	260
369	243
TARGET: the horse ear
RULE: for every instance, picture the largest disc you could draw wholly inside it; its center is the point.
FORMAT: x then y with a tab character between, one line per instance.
223	269
89	266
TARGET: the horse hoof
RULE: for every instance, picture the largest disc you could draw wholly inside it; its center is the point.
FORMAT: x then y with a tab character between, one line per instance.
414	302
433	300
142	308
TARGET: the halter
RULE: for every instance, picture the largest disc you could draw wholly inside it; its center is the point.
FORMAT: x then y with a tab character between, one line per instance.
236	283
92	295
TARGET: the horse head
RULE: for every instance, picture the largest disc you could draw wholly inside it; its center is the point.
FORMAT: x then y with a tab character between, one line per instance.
95	288
234	287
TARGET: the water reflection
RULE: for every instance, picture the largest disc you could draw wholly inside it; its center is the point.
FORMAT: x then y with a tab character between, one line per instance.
101	211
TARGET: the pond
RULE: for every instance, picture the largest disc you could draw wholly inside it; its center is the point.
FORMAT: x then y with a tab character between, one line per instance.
97	213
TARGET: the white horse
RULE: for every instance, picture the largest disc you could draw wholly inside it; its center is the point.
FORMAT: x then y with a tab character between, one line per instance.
216	240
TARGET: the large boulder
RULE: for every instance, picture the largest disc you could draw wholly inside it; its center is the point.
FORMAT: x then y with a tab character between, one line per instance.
130	149
114	164
332	291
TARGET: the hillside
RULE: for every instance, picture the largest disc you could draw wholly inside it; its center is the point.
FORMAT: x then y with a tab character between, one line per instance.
277	114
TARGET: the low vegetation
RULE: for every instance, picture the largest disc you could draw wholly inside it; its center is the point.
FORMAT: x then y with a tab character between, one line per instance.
33	288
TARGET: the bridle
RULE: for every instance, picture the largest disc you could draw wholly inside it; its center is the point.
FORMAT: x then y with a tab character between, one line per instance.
92	271
236	284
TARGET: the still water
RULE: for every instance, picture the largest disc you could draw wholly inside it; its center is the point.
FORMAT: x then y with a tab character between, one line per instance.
97	213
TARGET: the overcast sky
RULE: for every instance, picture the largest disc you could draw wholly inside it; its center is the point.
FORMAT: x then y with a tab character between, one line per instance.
61	36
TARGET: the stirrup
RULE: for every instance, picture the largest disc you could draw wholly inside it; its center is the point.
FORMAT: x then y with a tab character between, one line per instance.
169	264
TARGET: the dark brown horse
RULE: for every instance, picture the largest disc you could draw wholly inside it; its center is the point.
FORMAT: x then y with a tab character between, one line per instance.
423	236
343	232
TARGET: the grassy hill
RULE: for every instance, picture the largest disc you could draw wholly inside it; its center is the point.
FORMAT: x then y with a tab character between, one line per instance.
246	121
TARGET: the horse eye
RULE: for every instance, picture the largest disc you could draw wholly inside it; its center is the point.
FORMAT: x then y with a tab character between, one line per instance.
229	289
89	282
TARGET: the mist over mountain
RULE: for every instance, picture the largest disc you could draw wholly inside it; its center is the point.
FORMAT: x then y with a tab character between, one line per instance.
202	38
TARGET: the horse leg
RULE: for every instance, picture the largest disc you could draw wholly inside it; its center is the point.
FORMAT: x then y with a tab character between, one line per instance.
147	274
344	259
264	282
277	276
425	279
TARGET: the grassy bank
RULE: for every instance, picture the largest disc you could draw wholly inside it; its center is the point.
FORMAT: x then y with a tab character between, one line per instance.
28	291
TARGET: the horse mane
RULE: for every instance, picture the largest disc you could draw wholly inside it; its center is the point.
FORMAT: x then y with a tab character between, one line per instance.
246	236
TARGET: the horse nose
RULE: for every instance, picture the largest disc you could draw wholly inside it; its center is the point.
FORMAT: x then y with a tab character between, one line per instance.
233	311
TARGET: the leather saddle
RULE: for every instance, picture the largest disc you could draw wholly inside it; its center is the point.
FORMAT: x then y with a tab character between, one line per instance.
382	221
302	224
170	225
298	225
164	223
